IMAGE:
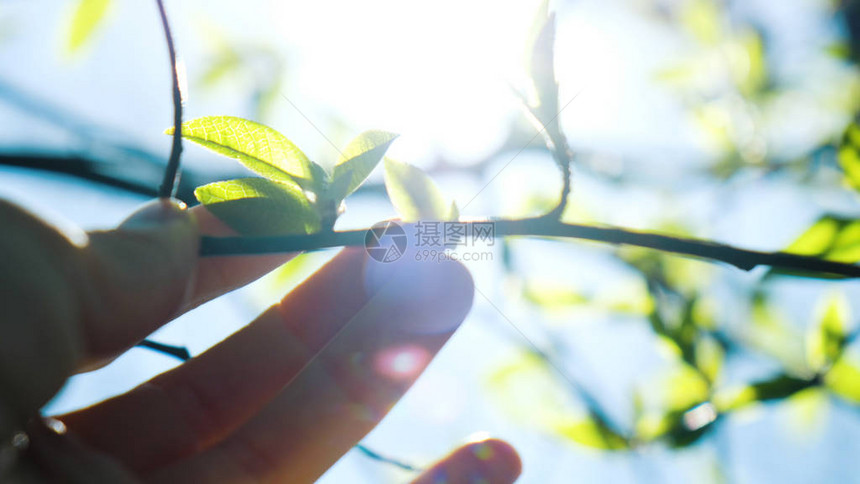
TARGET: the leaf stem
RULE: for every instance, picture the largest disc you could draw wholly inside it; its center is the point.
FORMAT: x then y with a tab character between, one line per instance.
171	172
744	259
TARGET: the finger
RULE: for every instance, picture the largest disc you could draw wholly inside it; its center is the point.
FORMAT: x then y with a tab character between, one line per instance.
490	461
218	275
77	299
349	387
184	410
40	341
134	279
60	457
147	271
73	298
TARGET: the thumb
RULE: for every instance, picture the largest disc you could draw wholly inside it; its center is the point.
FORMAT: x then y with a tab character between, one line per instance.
136	277
71	299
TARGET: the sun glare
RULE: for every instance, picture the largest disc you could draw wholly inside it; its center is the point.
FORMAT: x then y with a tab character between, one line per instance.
439	73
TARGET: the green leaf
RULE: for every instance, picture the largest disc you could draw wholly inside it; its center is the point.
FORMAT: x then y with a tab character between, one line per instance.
808	409
748	63
552	296
779	387
818	239
652	426
830	237
828	336
454	213
226	63
85	20
849	155
414	194
684	388
525	388
358	159
771	332
256	206
843	379
260	148
288	276
591	433
703	20
709	357
538	21
528	390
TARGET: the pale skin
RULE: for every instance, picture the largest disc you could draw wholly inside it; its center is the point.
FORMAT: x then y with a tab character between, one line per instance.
279	401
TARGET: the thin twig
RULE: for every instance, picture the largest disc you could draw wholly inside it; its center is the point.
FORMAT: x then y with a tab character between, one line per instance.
547	227
386	459
181	353
171	172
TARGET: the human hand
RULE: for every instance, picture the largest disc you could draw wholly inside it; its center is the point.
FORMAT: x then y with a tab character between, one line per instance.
279	401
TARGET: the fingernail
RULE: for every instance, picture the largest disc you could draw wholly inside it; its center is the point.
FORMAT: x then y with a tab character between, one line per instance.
167	222
444	289
492	461
156	214
499	462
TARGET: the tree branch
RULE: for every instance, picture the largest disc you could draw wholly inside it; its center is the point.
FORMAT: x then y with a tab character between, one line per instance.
126	173
548	227
171	173
563	156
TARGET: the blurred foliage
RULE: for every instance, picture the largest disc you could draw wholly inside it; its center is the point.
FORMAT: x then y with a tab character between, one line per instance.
728	87
555	297
725	82
843	379
849	155
260	68
528	391
831	237
591	432
731	91
827	337
88	15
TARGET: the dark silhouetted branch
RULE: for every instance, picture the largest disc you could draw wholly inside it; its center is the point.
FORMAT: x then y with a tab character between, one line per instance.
171	173
126	173
179	352
548	227
385	459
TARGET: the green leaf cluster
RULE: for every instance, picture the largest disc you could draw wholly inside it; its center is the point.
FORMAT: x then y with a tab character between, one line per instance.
295	195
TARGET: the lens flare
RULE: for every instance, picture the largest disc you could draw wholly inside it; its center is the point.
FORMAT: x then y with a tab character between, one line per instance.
401	362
